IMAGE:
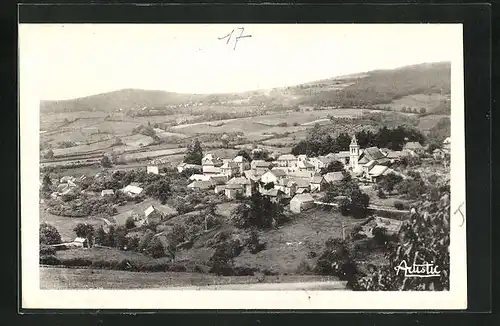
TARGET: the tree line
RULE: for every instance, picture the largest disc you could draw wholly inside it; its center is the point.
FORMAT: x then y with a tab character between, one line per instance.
320	143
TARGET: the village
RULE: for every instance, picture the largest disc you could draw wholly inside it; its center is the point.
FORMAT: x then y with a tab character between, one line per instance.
295	184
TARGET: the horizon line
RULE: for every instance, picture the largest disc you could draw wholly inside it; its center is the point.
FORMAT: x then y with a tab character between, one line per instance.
249	90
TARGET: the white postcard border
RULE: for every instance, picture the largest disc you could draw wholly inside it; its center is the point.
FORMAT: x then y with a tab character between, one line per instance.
34	297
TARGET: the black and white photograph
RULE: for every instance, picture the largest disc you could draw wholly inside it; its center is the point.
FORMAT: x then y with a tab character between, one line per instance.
245	165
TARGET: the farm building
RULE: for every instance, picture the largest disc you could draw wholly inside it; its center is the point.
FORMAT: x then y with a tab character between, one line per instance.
157	213
317	183
301	202
333	177
107	192
302	185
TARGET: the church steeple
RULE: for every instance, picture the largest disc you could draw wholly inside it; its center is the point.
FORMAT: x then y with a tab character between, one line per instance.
354	141
353	153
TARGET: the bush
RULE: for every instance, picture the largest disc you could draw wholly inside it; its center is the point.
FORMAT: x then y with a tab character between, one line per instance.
381	194
129	223
304	268
399	205
49	260
47	250
49	234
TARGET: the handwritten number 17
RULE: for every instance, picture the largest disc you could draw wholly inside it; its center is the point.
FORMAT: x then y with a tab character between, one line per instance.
228	36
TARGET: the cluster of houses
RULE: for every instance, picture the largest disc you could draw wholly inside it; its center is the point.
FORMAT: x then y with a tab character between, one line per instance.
291	177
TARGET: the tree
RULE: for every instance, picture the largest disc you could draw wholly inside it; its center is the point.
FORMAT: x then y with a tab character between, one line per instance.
129	223
425	238
159	189
245	154
155	248
194	153
334	166
84	230
343	141
105	162
175	236
260	155
46	184
145	240
120	239
423	110
100	236
389	181
48	234
49	154
222	260
337	259
225	140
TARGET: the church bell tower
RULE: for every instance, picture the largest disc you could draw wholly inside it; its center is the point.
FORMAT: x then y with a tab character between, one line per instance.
353	153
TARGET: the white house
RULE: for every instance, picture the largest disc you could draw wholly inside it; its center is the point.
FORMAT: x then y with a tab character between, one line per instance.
199	177
333	177
288	186
244	183
211	160
132	189
303	166
286	160
272	176
447	144
153	169
107	192
230	169
242	163
211	170
301	202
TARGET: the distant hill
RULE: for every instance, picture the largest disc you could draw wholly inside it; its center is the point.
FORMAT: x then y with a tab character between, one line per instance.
363	89
379	86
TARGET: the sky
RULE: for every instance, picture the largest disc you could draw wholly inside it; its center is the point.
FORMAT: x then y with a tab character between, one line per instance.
74	60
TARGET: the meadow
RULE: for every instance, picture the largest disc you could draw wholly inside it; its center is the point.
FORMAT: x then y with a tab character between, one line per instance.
82	278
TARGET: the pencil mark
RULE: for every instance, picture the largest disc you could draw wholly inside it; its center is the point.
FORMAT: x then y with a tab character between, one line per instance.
237	38
459	210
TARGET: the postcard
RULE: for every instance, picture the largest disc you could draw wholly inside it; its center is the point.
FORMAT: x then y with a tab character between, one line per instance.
242	166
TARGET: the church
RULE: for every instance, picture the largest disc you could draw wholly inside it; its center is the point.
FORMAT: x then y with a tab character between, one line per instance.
363	161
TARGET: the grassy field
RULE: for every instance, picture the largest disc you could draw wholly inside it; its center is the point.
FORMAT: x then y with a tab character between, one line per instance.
72	278
429	121
428	101
289	245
